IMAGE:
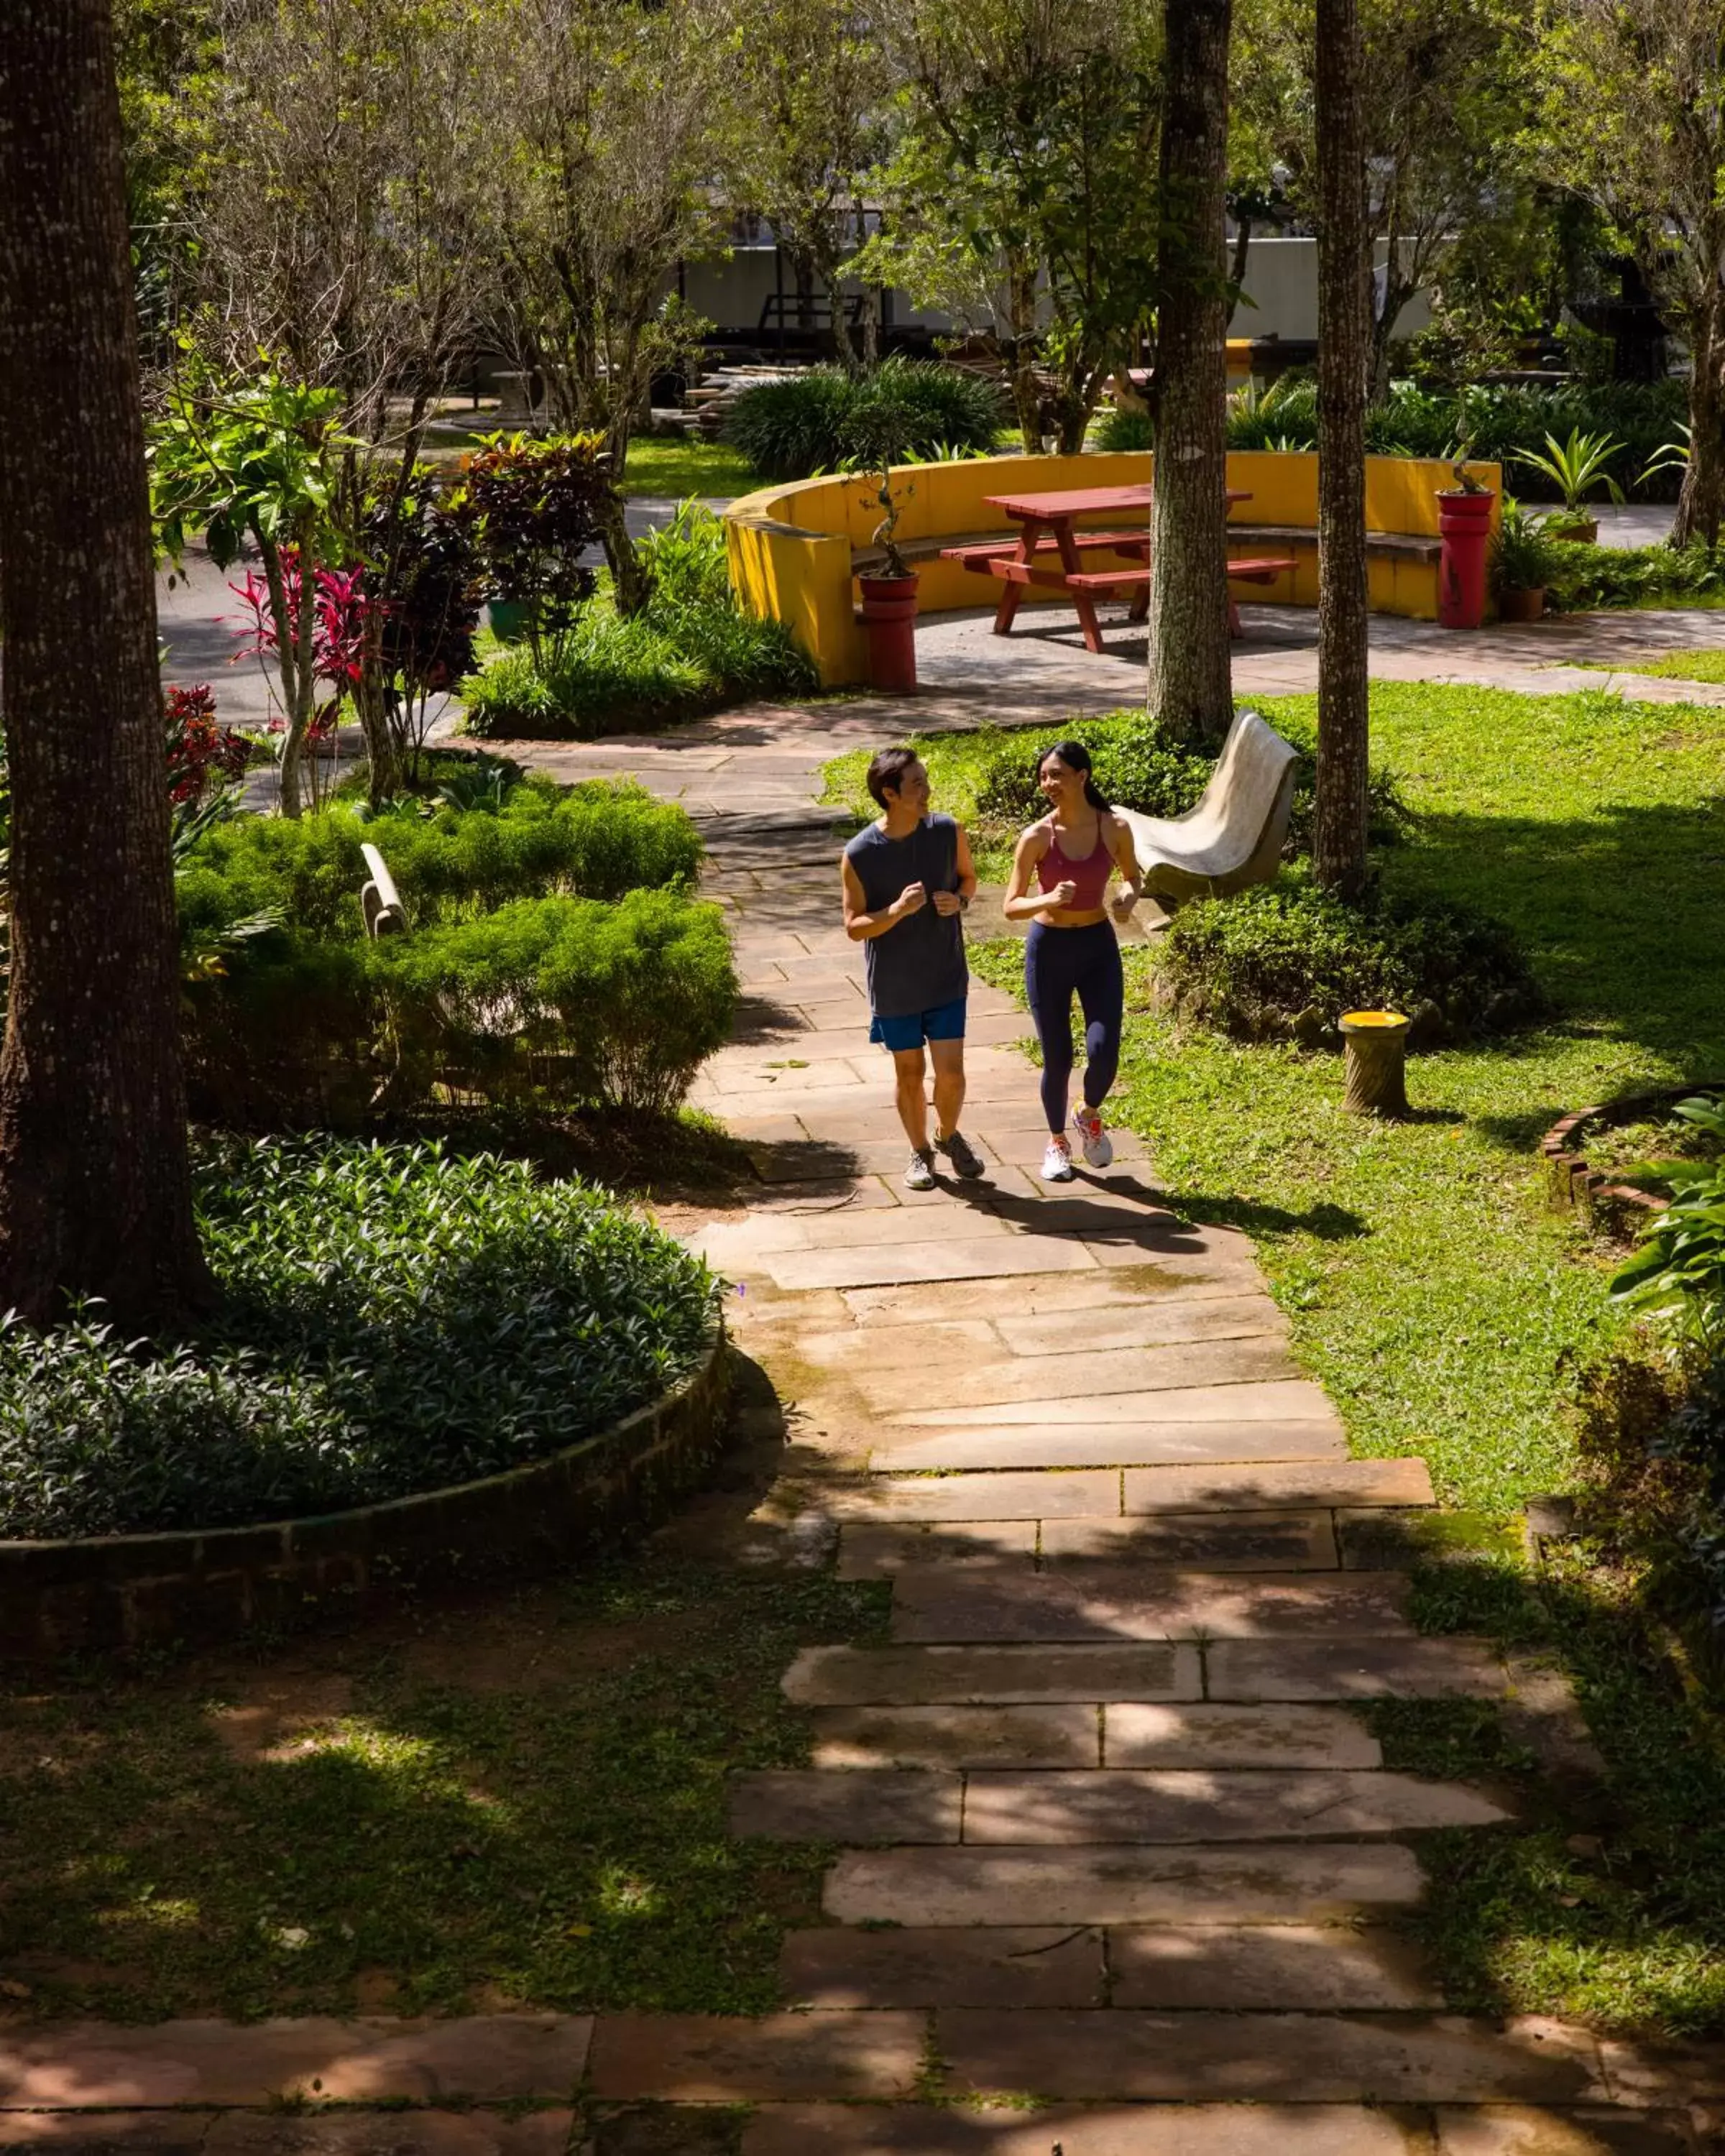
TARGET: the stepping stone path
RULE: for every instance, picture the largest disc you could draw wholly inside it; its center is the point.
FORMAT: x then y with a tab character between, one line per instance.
1111	1839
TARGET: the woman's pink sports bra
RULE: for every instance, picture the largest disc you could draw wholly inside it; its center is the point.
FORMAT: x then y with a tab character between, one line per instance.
1089	876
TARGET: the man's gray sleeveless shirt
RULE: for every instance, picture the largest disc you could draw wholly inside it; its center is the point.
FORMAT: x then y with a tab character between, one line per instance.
918	964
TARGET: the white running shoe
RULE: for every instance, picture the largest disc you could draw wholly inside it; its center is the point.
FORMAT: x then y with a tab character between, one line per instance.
1057	1162
919	1174
1098	1146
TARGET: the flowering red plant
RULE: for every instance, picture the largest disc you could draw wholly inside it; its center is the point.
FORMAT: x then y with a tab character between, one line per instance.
341	611
199	750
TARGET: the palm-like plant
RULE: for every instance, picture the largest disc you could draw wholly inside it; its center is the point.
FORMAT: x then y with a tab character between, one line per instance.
1669	456
1576	465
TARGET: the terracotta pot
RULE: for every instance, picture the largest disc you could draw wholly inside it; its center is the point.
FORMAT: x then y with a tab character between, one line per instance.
889	608
1521	606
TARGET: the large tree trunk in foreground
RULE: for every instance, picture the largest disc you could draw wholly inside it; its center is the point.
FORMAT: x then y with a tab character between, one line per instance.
1191	688
1344	330
94	1177
1701	505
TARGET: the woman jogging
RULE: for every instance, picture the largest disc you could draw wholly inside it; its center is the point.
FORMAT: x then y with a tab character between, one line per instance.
1071	948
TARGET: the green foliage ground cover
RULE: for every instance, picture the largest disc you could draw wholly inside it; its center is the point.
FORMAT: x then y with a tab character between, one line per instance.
691	650
393	1320
519	1803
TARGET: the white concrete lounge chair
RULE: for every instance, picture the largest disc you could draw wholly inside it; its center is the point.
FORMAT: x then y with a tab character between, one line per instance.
1234	835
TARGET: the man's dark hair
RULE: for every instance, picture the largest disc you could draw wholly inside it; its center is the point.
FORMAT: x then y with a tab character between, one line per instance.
886	772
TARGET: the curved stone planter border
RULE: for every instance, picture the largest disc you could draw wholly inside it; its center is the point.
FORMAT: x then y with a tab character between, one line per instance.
1572	1185
122	1592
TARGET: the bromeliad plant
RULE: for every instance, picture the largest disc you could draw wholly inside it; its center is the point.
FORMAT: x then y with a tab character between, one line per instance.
1575	465
1677	1277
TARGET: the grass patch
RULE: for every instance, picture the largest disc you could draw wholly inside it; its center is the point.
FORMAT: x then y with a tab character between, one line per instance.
514	1803
1442	1305
672	468
1701	662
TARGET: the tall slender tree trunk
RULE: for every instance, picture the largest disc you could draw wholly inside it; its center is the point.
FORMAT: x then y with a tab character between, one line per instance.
1026	391
1190	686
1344	342
1701	505
95	1195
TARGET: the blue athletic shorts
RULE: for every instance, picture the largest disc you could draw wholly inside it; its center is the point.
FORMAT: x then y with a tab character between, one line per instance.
945	1022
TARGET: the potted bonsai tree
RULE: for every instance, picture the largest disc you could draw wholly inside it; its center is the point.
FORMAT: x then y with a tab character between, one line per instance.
1574	467
1521	563
889	592
1464	526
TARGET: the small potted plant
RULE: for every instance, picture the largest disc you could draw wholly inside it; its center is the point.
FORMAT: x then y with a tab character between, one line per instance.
889	594
1573	466
1464	526
1521	563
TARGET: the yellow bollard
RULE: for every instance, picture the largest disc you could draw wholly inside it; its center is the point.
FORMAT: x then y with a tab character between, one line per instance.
1377	1044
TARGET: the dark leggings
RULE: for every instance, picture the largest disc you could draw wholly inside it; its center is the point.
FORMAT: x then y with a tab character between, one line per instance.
1060	962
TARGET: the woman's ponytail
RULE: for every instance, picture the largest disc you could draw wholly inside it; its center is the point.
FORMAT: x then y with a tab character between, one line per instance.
1076	758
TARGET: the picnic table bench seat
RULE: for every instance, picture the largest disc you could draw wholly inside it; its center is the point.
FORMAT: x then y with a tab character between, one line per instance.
1234	836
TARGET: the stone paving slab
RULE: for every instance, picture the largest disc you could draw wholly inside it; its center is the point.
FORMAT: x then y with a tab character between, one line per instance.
1052	1966
1313	1883
710	2058
979	1255
1105	1603
1518	2130
1090	1493
1211	1735
1352	1668
887	1805
1143	1325
393	2132
489	2056
984	1675
1664	2073
1357	1482
1267	1967
1307	2058
881	1552
742	1244
1230	1541
1100	2130
1287	1400
1122	1805
1108	1443
1187	1277
925	1394
947	1736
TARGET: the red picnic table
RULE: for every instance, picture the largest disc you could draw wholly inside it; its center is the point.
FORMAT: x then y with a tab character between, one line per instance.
1046	522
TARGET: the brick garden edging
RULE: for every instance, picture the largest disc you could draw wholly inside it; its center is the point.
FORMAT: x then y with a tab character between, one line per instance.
121	1592
1571	1183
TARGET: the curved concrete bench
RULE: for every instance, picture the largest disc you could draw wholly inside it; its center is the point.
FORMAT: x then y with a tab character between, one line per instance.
796	549
1234	835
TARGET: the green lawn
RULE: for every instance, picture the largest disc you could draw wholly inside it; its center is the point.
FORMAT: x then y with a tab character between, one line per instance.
1701	662
1441	1304
517	1802
674	467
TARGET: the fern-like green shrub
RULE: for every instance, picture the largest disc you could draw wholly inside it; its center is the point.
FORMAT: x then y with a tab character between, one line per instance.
394	1320
568	999
816	420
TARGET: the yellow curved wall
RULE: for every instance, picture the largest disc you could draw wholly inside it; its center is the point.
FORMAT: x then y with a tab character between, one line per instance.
789	547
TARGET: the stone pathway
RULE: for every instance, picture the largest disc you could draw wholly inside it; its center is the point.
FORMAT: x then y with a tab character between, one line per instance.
1108	1835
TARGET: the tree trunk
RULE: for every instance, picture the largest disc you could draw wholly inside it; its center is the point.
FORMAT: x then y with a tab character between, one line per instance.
1190	685
96	1197
1701	505
1343	352
1021	359
1242	247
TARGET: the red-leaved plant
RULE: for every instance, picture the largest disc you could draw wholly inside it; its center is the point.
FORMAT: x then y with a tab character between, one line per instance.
341	609
201	752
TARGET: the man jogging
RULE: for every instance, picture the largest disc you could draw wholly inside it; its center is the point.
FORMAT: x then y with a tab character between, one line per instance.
907	880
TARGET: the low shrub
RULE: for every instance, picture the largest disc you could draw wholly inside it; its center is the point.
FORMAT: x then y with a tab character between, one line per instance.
692	651
1583	577
396	1321
567	999
1137	768
1287	959
594	840
817	420
1497	420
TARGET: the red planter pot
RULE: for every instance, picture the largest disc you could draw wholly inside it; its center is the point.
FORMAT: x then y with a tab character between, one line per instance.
1465	525
889	607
